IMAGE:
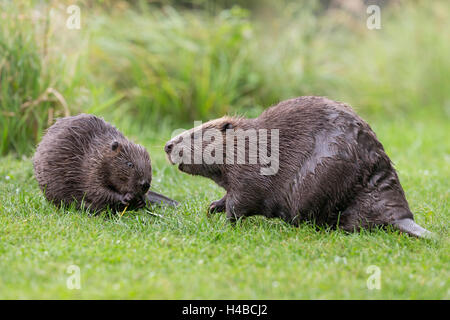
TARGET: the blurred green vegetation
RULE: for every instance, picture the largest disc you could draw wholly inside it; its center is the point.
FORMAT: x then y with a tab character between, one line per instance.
178	61
23	81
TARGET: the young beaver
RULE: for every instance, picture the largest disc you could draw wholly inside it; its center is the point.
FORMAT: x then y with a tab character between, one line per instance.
83	158
330	167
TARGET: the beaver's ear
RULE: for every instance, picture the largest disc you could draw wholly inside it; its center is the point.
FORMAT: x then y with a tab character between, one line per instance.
227	126
115	146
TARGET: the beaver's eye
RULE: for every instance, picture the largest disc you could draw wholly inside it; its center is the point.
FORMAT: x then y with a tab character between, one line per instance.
130	165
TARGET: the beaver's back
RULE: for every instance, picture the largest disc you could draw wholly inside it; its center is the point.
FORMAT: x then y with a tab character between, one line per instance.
327	154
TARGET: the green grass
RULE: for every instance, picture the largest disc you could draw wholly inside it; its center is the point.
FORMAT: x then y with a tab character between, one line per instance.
185	255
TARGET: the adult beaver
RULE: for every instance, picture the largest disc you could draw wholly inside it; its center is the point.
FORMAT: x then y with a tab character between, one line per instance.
84	159
329	168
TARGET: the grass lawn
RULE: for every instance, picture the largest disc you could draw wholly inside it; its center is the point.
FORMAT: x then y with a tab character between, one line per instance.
185	255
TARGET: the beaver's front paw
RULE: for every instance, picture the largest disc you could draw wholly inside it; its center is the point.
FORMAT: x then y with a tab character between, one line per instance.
126	199
139	202
217	206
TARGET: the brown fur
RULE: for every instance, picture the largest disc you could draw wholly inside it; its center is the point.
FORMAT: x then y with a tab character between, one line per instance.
85	159
333	171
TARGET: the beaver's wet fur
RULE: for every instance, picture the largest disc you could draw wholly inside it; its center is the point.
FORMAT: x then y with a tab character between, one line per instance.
333	171
85	160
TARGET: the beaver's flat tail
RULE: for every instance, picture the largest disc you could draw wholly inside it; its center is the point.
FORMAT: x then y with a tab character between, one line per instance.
410	227
159	199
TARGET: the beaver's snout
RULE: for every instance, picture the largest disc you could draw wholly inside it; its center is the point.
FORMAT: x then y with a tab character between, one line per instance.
168	147
145	185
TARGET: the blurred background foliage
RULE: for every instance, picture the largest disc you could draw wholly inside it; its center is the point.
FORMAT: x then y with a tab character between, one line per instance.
172	62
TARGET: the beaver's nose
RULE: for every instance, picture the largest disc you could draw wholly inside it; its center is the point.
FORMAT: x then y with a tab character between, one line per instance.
145	186
168	147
